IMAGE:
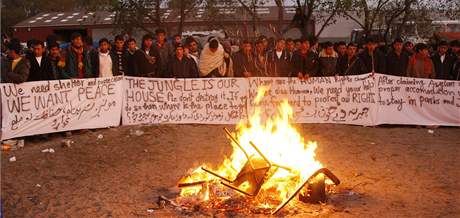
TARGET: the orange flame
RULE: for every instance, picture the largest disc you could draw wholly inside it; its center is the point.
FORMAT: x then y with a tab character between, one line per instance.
278	141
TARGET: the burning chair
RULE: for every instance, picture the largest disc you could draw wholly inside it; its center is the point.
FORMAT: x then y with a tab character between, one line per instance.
254	172
315	189
258	169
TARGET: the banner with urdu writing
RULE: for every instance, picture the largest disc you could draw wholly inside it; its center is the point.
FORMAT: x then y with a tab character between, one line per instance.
62	105
207	101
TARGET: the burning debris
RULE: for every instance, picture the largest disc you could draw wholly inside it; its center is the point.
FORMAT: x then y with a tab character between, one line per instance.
270	165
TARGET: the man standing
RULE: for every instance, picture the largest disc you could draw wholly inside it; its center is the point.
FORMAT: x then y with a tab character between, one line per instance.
148	60
328	60
420	64
263	40
443	62
214	61
455	47
373	59
164	49
15	69
397	60
180	66
101	60
192	45
54	57
131	69
456	67
189	55
305	61
350	63
245	61
77	60
40	65
259	59
341	48
177	40
119	56
314	44
408	48
278	60
290	48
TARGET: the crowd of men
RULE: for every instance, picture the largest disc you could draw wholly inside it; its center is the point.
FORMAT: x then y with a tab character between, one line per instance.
186	58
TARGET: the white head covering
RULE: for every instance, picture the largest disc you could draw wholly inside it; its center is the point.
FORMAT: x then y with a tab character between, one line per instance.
211	60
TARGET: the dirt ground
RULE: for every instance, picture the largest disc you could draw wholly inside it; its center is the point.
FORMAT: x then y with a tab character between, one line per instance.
385	171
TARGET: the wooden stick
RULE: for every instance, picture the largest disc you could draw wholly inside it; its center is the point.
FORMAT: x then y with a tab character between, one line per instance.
236	189
239	145
181	185
260	153
215	174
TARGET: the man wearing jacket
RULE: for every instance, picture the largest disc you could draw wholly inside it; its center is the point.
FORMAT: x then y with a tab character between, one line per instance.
40	65
328	60
15	69
350	63
245	61
305	61
181	66
147	59
373	59
278	60
77	60
443	62
101	60
397	60
119	56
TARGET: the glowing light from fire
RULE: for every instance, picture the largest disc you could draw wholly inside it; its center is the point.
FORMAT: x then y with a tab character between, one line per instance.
278	140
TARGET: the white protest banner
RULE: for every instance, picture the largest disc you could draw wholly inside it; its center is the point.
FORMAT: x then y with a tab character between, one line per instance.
207	101
52	106
346	100
403	100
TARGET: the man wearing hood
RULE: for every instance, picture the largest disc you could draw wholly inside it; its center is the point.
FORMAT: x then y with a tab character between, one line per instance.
214	62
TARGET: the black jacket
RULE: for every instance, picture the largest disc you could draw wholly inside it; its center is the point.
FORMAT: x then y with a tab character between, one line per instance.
20	73
278	67
456	71
327	64
305	64
443	69
397	65
119	62
185	68
353	66
244	63
42	71
379	61
147	65
131	64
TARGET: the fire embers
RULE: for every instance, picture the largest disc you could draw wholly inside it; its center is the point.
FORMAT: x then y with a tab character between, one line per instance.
269	166
248	184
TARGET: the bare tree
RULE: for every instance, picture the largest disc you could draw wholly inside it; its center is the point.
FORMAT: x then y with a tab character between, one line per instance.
135	14
332	9
250	6
320	11
364	12
185	7
394	12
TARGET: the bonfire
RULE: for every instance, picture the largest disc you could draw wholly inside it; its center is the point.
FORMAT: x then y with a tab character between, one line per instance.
271	163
